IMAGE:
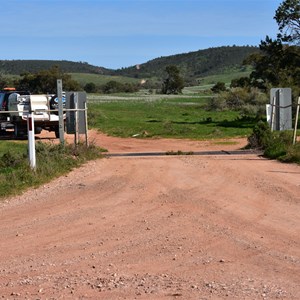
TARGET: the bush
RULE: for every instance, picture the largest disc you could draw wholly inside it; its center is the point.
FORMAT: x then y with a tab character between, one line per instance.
243	82
216	104
250	102
276	145
261	136
292	155
218	87
117	87
90	87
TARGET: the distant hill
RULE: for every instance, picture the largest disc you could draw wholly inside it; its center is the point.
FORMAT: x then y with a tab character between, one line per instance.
193	64
17	67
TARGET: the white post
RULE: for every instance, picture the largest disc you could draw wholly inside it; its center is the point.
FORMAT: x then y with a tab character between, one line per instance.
273	113
76	119
296	122
60	112
86	124
31	140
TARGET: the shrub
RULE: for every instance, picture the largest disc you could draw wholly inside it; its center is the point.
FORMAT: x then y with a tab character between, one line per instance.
216	104
261	136
117	87
90	87
276	145
250	102
218	87
292	154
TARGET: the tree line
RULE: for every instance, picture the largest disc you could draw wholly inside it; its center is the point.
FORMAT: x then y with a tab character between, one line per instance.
276	64
45	81
18	67
278	61
194	64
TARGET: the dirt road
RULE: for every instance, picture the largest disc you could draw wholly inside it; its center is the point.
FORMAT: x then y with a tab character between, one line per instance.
165	227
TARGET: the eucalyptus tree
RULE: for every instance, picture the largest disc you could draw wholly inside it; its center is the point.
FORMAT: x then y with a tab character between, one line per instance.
287	17
174	83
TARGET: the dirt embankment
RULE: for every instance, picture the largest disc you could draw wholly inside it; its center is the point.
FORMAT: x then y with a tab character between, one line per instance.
165	227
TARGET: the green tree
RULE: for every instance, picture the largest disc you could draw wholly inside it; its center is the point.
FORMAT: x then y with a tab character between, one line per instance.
287	17
45	81
278	64
174	83
243	82
218	87
90	87
275	65
112	86
3	82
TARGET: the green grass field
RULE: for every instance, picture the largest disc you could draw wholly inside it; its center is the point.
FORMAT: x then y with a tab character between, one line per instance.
205	83
98	80
225	77
13	147
176	117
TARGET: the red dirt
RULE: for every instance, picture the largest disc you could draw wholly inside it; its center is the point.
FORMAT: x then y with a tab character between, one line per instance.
162	227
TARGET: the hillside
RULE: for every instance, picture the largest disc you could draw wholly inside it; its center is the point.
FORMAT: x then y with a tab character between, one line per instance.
17	67
193	64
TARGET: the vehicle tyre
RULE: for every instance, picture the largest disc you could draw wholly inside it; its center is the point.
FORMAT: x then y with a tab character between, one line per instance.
38	130
19	131
56	132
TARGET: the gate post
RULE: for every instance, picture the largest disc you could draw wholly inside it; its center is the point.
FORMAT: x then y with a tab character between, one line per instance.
296	122
60	111
31	141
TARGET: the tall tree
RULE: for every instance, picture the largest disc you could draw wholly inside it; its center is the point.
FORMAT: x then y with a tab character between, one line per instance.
3	82
276	64
287	17
174	83
45	81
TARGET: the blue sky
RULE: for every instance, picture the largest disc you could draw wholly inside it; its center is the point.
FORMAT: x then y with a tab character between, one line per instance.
122	33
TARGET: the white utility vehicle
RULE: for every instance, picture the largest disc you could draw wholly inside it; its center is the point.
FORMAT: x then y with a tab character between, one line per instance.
17	104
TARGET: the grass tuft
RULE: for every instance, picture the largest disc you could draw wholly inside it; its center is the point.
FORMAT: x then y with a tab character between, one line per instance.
52	161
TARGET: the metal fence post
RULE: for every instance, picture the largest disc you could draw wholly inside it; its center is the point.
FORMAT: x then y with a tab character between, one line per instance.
86	124
60	112
273	113
296	122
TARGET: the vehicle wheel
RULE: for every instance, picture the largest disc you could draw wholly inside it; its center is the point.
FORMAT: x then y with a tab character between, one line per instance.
19	131
56	132
38	130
